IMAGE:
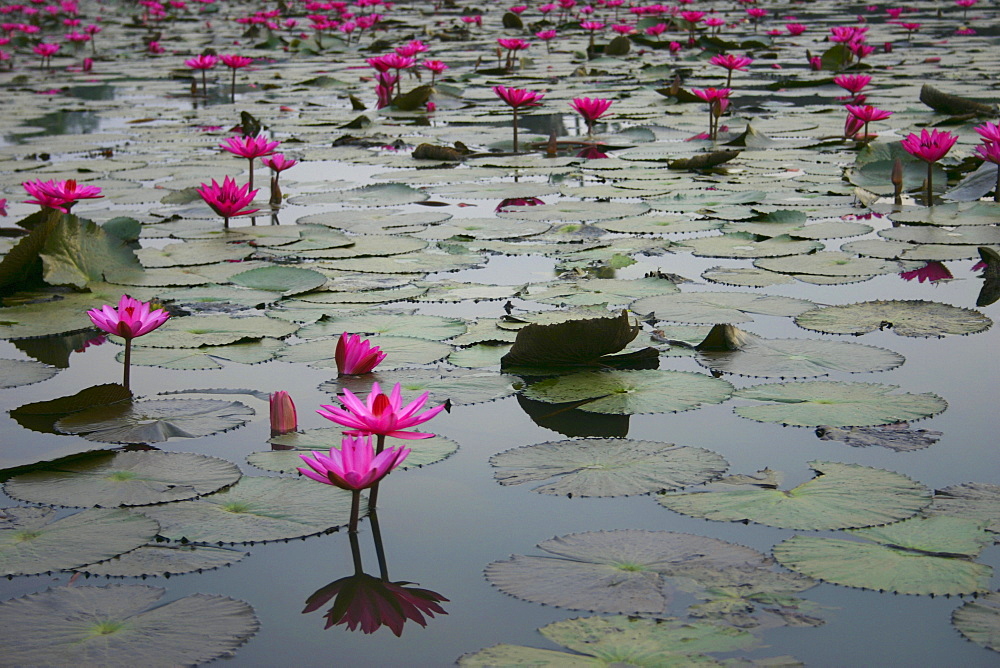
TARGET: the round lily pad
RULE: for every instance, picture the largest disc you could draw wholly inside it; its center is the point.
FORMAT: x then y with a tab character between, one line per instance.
827	263
606	467
431	327
575	211
710	308
741	244
904	317
922	556
121	625
255	509
286	280
799	358
971	500
841	496
461	387
819	402
153	560
632	392
979	621
14	373
33	541
215	330
125	479
286	459
248	352
747	277
156	420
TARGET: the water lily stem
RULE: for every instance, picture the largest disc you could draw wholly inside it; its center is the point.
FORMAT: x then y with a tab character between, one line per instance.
373	495
515	129
930	183
996	190
232	88
128	361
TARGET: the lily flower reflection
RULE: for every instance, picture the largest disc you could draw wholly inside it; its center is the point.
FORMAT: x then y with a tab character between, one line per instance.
931	272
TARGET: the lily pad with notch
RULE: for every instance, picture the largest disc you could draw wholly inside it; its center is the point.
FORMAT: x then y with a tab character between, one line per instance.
710	308
285	280
979	621
248	352
156	559
903	317
155	421
286	459
971	500
215	330
798	358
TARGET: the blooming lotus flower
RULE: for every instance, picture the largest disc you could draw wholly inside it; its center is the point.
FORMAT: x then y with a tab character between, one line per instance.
234	62
279	163
515	99
436	67
132	318
356	356
204	63
795	29
250	148
990	132
867	114
370	603
852	83
590	109
731	62
59	195
692	16
354	466
910	28
228	199
383	89
852	126
46	51
929	147
990	152
283	417
513	45
411	49
380	414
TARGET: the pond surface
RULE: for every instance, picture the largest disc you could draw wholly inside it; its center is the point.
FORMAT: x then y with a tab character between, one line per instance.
137	134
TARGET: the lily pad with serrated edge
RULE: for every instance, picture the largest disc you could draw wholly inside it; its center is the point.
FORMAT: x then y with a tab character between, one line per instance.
26	321
249	352
14	373
121	625
904	317
401	352
711	308
453	292
832	229
841	496
976	235
431	327
461	387
153	560
124	479
799	358
575	211
631	641
606	467
822	402
285	280
193	252
357	298
979	621
632	392
220	295
920	556
743	245
596	291
256	509
33	541
827	263
971	500
409	263
479	356
626	571
376	194
659	224
155	421
215	330
744	277
949	215
423	451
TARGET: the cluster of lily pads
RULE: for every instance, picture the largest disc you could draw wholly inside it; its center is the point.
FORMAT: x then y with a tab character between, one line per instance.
768	192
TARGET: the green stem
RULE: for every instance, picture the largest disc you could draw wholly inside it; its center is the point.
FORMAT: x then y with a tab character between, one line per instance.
996	191
128	361
515	129
251	175
232	88
373	495
204	84
930	183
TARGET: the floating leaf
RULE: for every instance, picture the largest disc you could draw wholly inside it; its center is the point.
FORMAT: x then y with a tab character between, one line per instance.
631	392
215	330
904	317
971	500
286	459
916	556
431	327
827	263
799	358
841	496
256	509
897	436
574	211
249	352
80	251
461	387
122	625
125	479
14	373
710	308
741	244
33	541
606	467
165	560
154	421
979	621
286	280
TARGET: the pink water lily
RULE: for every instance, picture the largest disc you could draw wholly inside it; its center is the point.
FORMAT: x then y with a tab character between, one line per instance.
228	200
380	414
354	466
867	113
515	99
929	147
590	109
132	318
283	416
59	195
204	63
250	148
234	62
436	67
731	62
355	356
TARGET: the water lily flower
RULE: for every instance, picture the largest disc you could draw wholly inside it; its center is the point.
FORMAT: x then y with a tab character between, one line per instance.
795	29
204	63
283	417
384	84
852	126
227	199
46	51
547	36
718	100
929	147
356	356
250	148
590	109
436	67
731	62
59	195
990	152
867	114
234	62
990	132
131	319
910	28
517	98
369	603
381	414
852	83
354	466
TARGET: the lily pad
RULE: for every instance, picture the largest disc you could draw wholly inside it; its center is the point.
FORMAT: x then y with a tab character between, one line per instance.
431	327
155	421
979	621
903	317
461	387
799	358
256	509
286	459
215	330
841	496
33	540
125	479
14	373
153	560
897	436
710	308
922	556
632	392
818	402
827	263
607	467
122	625
286	280
744	245
248	352
575	211
971	500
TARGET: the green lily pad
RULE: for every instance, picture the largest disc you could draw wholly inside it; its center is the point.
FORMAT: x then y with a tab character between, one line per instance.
377	194
431	327
479	356
799	358
125	479
922	556
710	308
744	245
220	294
401	352
977	235
971	500
14	373
79	251
620	641
194	252
33	540
612	291
979	621
819	402
746	277
607	467
461	387
627	571
215	330
841	496
827	263
620	392
256	509
153	560
903	317
798	229
155	421
659	224
27	321
575	211
120	625
423	451
249	352
286	280
949	215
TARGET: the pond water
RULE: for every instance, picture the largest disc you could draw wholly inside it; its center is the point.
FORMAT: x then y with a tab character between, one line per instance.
443	524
